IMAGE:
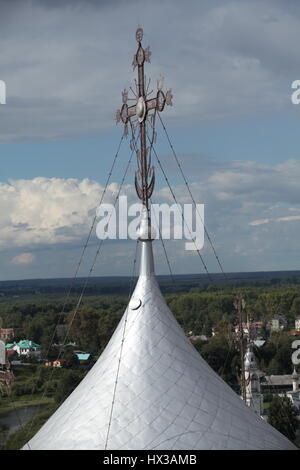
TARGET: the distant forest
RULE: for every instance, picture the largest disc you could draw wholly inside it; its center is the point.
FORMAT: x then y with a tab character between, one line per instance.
121	284
199	308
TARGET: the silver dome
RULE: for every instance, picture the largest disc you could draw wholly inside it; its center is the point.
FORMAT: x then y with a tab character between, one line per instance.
166	397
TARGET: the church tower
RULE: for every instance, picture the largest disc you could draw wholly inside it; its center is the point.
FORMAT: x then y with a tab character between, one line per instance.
254	398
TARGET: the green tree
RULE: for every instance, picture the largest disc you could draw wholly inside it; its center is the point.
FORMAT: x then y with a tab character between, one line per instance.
283	416
264	331
105	328
84	329
273	367
220	356
3	434
67	384
295	308
72	361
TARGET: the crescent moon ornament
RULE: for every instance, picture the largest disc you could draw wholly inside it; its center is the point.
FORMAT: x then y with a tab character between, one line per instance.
160	100
135	304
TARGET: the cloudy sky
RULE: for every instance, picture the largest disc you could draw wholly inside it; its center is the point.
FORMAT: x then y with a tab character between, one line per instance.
230	65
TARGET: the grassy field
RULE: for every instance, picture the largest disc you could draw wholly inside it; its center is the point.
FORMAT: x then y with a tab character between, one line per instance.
7	404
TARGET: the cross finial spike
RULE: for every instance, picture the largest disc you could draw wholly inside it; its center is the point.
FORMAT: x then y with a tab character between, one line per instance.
139	34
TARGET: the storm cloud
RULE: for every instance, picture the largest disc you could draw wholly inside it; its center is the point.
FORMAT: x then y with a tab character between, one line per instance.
64	62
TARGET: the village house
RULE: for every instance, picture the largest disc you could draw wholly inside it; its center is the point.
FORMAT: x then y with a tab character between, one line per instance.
280	383
293	333
25	348
7	333
277	323
255	328
283	385
82	357
294	395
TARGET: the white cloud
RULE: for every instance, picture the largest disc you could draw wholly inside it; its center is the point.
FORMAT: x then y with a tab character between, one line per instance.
48	211
57	213
23	258
275	219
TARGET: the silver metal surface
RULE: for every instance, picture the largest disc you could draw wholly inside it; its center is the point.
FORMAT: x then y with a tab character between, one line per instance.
167	397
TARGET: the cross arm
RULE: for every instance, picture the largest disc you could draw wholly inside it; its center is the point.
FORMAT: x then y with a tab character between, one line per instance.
157	103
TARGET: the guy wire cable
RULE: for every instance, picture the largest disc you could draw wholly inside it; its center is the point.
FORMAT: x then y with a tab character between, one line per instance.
174	197
190	193
84	247
86	282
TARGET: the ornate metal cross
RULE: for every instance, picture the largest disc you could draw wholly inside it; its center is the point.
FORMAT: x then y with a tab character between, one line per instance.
138	114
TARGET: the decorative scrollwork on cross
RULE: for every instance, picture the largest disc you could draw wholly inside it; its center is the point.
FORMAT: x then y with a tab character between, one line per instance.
142	114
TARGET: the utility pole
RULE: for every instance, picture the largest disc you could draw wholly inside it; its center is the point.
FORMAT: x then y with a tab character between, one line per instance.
251	328
239	304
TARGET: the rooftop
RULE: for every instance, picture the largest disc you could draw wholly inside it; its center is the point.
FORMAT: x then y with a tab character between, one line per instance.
278	379
24	343
83	357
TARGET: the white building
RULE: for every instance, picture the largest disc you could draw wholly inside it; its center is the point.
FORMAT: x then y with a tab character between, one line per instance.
25	348
7	333
294	395
277	323
254	397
